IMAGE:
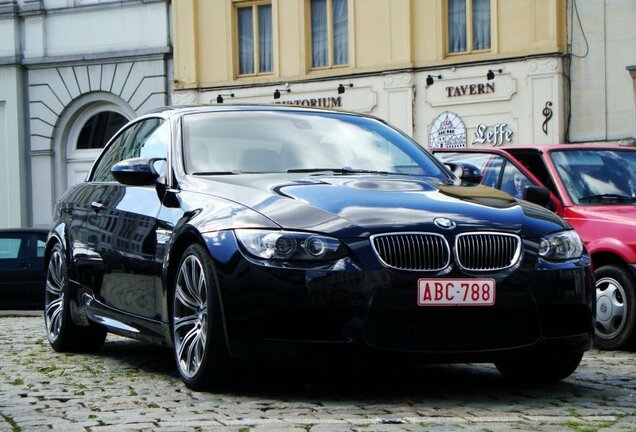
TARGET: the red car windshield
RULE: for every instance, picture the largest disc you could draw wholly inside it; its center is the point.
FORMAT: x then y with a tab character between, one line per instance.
597	176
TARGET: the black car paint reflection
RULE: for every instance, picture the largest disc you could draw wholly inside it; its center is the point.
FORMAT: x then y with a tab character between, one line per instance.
235	297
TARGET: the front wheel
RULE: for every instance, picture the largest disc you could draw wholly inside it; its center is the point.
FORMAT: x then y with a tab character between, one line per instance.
546	366
615	317
197	328
63	334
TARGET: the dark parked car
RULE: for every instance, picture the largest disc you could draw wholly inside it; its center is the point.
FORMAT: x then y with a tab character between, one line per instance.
22	273
244	232
592	187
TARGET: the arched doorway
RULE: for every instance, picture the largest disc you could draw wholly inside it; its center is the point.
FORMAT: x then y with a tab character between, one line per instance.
83	130
90	133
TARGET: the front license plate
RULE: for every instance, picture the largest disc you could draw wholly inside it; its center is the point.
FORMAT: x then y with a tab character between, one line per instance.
456	292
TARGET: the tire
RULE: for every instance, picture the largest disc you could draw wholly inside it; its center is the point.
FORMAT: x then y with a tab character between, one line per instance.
615	314
199	344
542	367
63	334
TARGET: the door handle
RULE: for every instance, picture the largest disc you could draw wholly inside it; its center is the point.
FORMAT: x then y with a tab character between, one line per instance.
96	206
23	266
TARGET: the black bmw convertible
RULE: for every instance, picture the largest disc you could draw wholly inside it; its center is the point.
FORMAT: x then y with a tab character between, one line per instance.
230	233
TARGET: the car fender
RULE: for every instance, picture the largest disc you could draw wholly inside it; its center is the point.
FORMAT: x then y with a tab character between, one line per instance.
612	246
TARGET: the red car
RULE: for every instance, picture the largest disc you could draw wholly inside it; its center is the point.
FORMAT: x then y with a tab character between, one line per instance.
594	188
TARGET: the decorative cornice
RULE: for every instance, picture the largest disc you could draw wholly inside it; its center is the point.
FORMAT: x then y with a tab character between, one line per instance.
42	153
32	7
8	8
100	5
95	58
15	60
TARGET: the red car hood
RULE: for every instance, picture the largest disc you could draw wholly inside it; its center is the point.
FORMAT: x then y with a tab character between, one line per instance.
606	228
623	215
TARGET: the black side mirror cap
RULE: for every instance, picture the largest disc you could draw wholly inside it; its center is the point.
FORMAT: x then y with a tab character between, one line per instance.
537	194
135	172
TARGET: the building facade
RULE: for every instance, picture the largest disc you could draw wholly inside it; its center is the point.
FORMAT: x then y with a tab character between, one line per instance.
447	72
72	72
602	67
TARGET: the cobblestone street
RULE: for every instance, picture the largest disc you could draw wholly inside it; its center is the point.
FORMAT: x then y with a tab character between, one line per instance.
133	386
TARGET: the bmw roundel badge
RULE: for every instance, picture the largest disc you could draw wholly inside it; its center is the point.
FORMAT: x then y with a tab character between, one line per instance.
444	223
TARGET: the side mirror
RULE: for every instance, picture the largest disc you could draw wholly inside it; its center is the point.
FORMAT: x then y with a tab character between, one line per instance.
135	172
537	194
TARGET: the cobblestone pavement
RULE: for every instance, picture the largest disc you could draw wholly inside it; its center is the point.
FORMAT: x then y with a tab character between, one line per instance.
133	386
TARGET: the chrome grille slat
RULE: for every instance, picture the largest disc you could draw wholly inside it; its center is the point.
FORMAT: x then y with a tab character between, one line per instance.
487	251
412	251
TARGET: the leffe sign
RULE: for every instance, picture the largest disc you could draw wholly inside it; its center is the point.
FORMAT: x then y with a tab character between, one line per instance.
495	136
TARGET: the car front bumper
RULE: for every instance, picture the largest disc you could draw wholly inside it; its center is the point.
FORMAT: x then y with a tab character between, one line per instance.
270	311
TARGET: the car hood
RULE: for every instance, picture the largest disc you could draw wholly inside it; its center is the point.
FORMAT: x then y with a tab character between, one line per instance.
614	214
359	205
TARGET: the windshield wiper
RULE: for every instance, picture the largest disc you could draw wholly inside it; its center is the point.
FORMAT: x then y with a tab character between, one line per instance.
216	172
341	171
607	197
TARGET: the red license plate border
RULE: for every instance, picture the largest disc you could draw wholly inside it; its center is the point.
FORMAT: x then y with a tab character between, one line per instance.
491	281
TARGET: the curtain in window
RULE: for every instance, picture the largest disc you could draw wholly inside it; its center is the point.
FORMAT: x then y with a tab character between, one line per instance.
246	40
457	25
265	43
481	24
340	32
319	40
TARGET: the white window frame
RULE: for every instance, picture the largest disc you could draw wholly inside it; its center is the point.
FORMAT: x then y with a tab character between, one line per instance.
469	30
255	37
330	37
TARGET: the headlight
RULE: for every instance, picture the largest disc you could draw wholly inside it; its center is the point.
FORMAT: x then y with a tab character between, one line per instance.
561	246
289	245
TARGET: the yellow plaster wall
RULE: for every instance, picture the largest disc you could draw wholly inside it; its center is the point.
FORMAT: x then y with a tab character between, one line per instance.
384	35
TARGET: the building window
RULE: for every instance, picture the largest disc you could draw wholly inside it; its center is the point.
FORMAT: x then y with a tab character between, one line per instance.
99	129
468	25
255	39
329	33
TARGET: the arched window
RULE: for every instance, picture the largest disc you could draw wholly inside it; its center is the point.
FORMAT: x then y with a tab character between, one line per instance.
99	129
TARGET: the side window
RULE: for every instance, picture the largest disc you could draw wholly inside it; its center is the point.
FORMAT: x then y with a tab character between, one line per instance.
489	164
40	248
10	248
514	181
148	138
110	157
537	167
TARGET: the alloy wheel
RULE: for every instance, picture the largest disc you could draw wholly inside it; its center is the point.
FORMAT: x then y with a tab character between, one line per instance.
54	296
190	320
611	310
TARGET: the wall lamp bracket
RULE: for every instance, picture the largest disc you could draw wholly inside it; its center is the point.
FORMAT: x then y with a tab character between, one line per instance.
342	87
430	79
219	98
277	93
491	73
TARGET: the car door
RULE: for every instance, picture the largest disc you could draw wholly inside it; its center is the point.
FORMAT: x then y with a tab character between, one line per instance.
121	226
21	271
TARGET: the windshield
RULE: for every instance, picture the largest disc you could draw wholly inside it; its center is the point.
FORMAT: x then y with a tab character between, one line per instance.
237	142
597	176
